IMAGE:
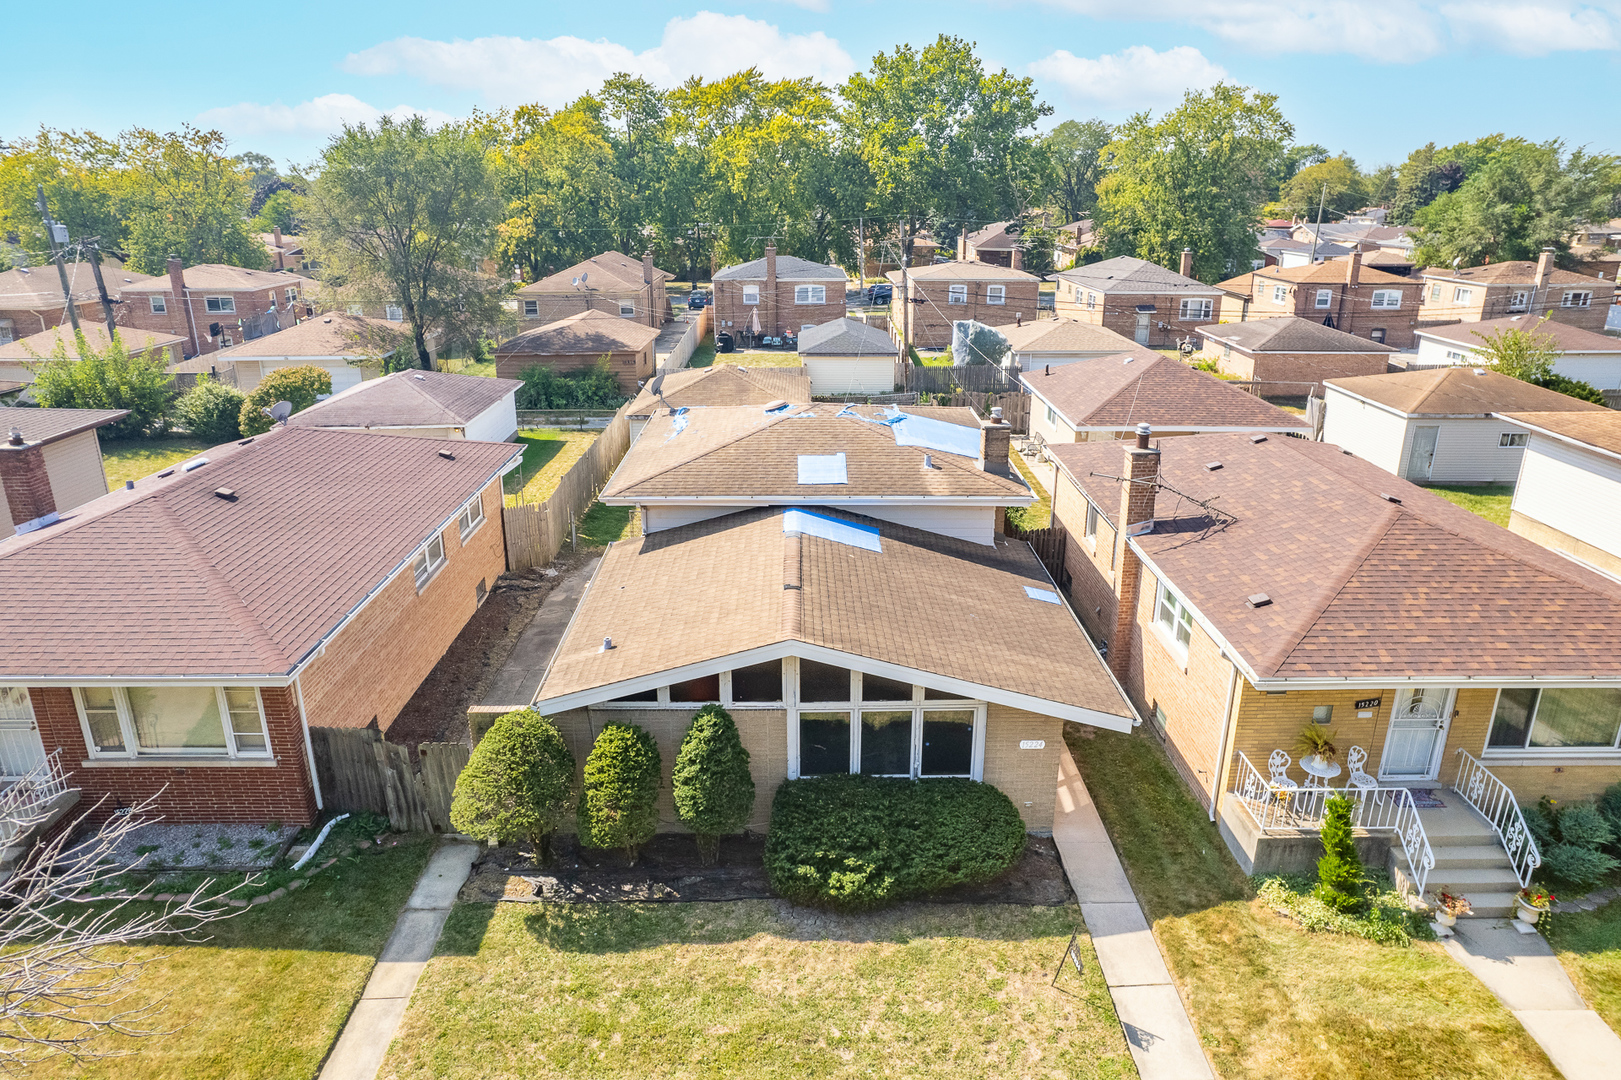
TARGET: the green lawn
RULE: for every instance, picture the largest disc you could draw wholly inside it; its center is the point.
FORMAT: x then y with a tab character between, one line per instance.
548	453
756	989
1039	514
266	996
485	368
1589	945
1268	998
1490	501
133	459
704	356
601	524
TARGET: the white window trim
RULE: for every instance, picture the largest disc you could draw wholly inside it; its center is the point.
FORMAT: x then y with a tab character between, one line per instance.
1089	531
996	294
918	705
751	294
1280	294
227	305
431	566
1167	633
531	308
393	313
292	294
1581	300
1203	307
956	294
812	294
1324	299
627	308
467	526
1519	300
1387	299
1528	751
132	750
1461	295
160	304
1505	440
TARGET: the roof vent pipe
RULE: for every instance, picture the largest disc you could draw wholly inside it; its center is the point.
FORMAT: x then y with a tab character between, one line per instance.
16	438
1143	432
928	461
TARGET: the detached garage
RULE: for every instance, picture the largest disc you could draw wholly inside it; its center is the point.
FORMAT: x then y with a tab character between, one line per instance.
426	404
348	347
846	356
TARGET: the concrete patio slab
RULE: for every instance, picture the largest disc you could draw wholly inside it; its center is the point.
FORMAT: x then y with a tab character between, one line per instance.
515	684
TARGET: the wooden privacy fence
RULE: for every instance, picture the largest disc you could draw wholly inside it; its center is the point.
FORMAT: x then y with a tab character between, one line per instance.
536	532
361	772
980	378
1048	545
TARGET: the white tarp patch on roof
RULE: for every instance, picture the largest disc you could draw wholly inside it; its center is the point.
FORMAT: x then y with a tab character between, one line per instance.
935	435
831	528
822	469
1044	595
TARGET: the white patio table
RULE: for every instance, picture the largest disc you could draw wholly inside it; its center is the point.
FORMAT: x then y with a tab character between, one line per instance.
1318	771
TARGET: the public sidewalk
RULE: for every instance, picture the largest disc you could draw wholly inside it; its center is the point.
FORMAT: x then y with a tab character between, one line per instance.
1522	970
1162	1039
365	1038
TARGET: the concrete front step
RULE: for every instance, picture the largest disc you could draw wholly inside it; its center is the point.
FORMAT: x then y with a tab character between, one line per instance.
1472	856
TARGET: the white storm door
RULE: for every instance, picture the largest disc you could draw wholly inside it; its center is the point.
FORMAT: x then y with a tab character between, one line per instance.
1417	734
20	745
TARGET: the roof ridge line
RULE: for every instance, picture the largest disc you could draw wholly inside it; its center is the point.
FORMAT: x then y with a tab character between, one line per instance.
739	437
793	581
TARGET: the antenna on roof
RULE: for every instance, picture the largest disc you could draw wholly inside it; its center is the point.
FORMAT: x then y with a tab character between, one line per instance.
279	412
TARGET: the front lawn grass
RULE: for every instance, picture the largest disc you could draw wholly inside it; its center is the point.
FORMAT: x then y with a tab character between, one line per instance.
1589	945
602	524
1039	514
1267	997
1490	501
134	459
266	996
754	989
548	453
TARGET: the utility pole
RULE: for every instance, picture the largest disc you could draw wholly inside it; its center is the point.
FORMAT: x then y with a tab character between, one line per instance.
94	245
56	254
1318	232
861	254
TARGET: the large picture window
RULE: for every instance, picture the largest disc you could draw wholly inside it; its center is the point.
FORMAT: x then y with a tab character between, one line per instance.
1527	718
170	721
886	727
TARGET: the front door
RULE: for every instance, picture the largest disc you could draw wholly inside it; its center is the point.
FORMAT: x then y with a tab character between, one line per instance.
1418	732
20	745
1142	328
1423	457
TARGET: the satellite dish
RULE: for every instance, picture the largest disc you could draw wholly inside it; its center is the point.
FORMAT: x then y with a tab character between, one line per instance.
279	412
583	278
574	281
656	388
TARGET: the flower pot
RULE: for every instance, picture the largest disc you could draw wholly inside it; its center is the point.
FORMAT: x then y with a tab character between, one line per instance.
1525	912
1446	918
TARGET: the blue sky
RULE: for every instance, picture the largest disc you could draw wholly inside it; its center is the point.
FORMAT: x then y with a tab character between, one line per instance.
1372	77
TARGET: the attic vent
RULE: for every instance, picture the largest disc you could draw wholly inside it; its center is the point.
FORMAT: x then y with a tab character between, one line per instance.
165	472
195	463
1260	599
1257	438
421	378
608	643
776	406
1128	359
1212	466
447	455
246	441
228	494
1388	497
1480	371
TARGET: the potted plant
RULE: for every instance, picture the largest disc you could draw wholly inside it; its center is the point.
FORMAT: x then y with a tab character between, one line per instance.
1531	901
1317	741
1448	907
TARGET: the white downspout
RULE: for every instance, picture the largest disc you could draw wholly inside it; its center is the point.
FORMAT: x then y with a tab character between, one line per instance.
1228	722
309	748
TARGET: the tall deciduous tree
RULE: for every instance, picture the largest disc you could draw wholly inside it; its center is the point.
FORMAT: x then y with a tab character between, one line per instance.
185	197
559	190
1196	178
405	213
1075	149
1335	185
82	175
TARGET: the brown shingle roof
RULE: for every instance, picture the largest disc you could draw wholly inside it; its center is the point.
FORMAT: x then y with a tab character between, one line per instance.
1513	272
1568	338
219	277
1128	274
1144	386
1065	336
970	270
593	332
408	399
1290	334
169	579
333	334
1361	588
1331	272
1457	391
43	344
610	272
40	426
747	453
726	384
1600	429
35	288
925	602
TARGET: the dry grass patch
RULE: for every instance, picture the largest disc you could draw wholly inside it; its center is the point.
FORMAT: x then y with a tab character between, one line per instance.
548	453
1268	998
757	989
1589	945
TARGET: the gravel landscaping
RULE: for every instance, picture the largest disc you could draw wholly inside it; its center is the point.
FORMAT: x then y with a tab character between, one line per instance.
204	847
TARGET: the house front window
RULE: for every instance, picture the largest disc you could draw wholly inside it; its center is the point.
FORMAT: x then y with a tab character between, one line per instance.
1195	309
1577	299
996	294
751	294
1386	299
160	305
1377	334
884	727
1455	356
957	294
1435	294
1173	617
1461	295
225	304
1519	301
1551	719
292	294
171	721
1280	294
1325	297
810	294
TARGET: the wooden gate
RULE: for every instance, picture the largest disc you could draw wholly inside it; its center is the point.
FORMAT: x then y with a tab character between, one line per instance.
362	772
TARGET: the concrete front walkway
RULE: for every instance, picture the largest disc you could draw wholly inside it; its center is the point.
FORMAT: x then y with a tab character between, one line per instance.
1162	1039
1522	970
365	1038
515	684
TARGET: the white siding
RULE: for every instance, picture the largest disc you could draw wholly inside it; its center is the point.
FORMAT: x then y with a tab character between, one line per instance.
976	524
1367	431
1573	490
1602	370
498	423
637	423
850	375
1432	353
1466	451
1038	361
656	518
249	373
74	466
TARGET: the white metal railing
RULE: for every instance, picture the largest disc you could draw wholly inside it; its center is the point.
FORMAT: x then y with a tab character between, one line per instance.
25	803
20	751
1280	809
1493	800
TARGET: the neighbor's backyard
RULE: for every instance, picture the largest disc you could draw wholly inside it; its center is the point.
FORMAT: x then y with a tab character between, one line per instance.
133	459
1490	501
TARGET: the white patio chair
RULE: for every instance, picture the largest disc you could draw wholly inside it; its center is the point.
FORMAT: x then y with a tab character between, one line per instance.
1358	778
1278	766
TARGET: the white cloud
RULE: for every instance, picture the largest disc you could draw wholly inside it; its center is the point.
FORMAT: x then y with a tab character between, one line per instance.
1392	31
1134	78
321	116
513	70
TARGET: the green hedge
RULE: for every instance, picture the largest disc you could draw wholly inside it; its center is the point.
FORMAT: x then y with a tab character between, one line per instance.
861	842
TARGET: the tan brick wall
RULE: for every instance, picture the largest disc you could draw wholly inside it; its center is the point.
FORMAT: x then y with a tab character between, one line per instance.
1496	302
1350	306
1091	573
1028	777
373	666
651	306
629	368
1301	368
249	303
931	320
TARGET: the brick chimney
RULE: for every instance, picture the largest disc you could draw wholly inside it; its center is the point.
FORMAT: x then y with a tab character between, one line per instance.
177	279
1544	268
962	246
26	483
769	324
1136	517
275	235
995	438
1353	268
1017	259
1187	263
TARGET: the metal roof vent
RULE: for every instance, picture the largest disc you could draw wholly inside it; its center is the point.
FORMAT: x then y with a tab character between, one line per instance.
1480	371
447	455
1257	438
195	463
928	461
1260	599
776	406
420	377
1212	466
608	643
1388	497
228	494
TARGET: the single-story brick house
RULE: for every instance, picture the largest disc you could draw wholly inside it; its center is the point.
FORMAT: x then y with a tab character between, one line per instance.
1438	425
840	644
1296	353
939	469
16	357
1589	357
426	404
932	298
181	636
847	356
50	462
577	342
782	294
614	283
349	348
719	385
1568	495
1043	343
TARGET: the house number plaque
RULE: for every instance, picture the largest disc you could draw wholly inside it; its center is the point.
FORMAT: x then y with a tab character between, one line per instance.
1032	744
1369	703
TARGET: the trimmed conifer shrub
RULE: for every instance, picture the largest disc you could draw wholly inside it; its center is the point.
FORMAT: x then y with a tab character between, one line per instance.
714	790
619	805
518	784
1340	879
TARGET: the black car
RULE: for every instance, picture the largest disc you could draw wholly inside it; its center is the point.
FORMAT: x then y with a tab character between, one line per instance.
880	294
697	301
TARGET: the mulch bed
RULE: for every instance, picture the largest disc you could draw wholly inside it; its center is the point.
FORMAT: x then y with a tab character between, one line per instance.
668	870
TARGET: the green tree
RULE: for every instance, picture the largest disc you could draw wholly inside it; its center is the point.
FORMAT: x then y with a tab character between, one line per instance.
559	191
259	169
1300	156
714	790
1381	185
1340	878
82	176
518	783
1336	185
1075	149
281	211
182	196
406	213
211	411
108	379
296	385
1196	178
619	805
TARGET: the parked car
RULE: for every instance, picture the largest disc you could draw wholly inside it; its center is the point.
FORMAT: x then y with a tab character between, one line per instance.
697	301
880	294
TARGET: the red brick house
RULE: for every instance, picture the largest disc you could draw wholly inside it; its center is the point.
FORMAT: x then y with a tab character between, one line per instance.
1342	293
214	306
1497	290
785	293
1294	353
577	342
931	298
617	284
183	634
31	297
1140	300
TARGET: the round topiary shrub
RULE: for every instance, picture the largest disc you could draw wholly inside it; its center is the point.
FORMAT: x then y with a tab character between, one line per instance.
518	783
299	386
860	842
714	790
211	411
619	808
